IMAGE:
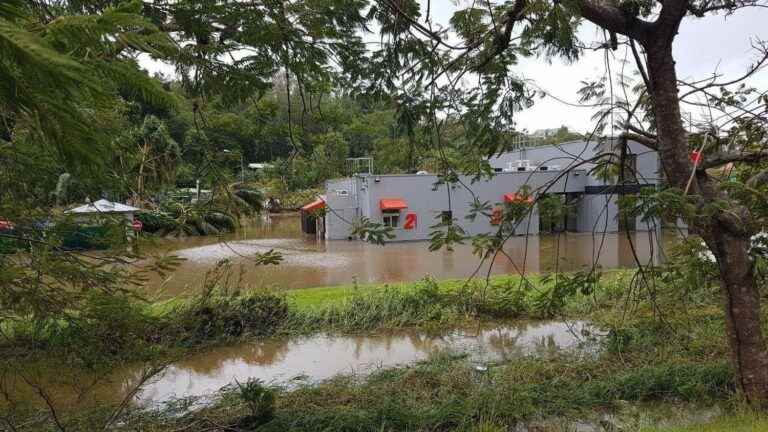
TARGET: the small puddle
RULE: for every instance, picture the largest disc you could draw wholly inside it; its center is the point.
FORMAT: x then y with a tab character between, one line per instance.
319	357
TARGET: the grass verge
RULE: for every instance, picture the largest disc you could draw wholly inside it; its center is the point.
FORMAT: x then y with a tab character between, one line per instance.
738	422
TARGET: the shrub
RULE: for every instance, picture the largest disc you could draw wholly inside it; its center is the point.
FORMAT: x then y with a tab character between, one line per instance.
217	315
260	401
156	220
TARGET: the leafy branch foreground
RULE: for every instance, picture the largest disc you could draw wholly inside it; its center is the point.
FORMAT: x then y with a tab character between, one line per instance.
670	349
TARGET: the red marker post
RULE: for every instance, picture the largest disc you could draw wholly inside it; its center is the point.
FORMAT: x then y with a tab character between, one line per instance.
136	225
696	157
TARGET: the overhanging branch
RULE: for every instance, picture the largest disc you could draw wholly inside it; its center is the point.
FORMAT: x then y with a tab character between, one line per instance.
758	179
639	131
702	9
642	139
615	20
720	159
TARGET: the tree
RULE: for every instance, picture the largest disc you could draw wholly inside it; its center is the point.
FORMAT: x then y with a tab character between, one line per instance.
155	155
561	135
491	36
57	68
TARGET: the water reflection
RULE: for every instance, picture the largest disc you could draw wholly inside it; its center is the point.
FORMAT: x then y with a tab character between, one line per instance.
310	262
307	359
320	357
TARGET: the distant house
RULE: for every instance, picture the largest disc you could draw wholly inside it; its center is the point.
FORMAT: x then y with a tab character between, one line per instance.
259	166
411	204
103	207
90	232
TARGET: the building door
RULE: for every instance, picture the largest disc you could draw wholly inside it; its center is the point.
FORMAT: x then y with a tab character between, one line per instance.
552	213
572	211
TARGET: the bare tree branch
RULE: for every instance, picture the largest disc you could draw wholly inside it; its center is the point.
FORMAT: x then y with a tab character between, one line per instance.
615	20
642	139
751	71
700	10
642	132
719	159
759	179
640	65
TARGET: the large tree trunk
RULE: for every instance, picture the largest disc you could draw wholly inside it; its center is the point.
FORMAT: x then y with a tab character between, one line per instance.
742	313
737	279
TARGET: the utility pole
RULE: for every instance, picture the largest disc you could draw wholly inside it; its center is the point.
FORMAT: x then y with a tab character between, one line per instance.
242	164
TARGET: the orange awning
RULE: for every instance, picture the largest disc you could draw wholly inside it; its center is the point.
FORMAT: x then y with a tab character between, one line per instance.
392	204
517	198
314	205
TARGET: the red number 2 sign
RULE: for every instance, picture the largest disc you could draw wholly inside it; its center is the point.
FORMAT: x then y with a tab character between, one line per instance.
410	221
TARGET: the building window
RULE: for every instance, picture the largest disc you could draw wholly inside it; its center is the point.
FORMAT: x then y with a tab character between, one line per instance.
391	218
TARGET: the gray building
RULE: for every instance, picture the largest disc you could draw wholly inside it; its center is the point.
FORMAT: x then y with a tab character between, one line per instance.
412	203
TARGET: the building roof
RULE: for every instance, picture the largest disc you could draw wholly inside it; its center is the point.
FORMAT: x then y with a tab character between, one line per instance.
256	165
103	206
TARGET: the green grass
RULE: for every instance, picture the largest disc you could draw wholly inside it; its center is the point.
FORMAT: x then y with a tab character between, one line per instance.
310	298
742	422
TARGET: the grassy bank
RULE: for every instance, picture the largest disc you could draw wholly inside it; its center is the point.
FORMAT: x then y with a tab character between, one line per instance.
739	422
110	330
226	314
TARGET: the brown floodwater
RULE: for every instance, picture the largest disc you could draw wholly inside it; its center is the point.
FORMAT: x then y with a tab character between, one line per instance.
311	359
319	357
310	262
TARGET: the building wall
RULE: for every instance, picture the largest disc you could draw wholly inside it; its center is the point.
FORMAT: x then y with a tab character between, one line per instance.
349	199
597	211
428	201
565	155
341	209
571	154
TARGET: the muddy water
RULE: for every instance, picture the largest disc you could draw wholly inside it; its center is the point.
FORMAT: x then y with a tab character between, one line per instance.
319	357
309	262
310	359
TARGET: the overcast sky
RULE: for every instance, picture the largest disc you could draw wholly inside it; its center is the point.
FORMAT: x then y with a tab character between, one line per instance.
702	46
719	43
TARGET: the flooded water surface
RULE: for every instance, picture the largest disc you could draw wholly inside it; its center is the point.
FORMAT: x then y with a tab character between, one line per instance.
309	359
319	357
309	262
